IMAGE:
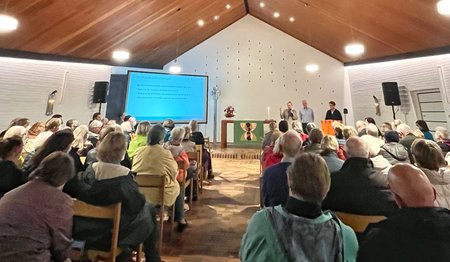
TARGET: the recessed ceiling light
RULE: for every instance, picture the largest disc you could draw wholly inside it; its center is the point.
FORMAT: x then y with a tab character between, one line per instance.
262	4
228	6
312	68
175	69
354	49
276	14
121	55
8	23
200	22
443	7
292	19
216	17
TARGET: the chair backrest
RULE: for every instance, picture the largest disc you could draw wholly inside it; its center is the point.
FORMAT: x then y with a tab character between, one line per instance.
358	222
145	180
199	148
83	209
207	143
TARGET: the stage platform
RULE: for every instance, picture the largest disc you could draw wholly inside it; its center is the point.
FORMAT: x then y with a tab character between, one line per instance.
235	152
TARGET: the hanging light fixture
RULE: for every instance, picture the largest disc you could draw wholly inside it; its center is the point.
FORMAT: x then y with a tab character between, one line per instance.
175	68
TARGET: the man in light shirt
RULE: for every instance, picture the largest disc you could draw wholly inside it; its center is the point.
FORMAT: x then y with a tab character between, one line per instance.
306	115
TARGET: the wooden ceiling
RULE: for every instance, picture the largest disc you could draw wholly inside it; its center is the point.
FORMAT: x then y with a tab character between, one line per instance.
156	31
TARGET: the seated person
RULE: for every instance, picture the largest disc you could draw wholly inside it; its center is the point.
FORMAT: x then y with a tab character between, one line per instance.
275	189
443	139
358	188
315	138
112	183
428	157
198	139
140	139
266	139
330	149
418	231
393	151
39	228
270	156
300	231
154	159
10	175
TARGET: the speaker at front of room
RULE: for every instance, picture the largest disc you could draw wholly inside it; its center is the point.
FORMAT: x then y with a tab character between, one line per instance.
100	92
390	93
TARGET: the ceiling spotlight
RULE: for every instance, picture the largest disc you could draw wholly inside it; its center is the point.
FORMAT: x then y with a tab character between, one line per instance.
276	14
443	7
175	69
200	22
216	17
8	23
228	6
354	49
262	4
312	68
291	19
121	55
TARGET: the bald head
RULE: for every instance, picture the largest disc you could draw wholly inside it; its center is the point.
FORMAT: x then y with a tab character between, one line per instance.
290	143
356	147
411	186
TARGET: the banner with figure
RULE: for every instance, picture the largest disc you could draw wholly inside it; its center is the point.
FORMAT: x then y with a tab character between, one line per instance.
248	132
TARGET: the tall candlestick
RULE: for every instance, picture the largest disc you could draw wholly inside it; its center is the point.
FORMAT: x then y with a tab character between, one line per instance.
268	113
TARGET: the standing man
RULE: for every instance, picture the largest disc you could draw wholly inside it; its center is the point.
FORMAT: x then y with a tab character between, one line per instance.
306	115
333	113
289	114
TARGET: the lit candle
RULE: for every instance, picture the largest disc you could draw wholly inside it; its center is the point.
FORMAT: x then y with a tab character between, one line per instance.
268	113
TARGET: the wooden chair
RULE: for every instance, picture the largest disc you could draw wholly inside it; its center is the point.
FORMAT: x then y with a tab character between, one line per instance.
186	183
83	209
158	182
207	144
358	222
197	156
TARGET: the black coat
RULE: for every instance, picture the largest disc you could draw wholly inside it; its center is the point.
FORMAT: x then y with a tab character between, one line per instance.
137	218
412	234
354	190
10	176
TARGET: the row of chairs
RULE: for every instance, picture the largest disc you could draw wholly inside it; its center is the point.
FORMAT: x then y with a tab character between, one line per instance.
113	212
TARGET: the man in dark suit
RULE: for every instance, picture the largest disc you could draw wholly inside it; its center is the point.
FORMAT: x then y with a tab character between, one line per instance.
418	231
358	188
333	113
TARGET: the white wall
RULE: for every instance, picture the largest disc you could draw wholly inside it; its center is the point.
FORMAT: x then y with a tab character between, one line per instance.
415	74
25	86
257	66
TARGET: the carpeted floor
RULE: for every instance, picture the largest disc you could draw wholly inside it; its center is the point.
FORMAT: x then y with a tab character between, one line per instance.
219	217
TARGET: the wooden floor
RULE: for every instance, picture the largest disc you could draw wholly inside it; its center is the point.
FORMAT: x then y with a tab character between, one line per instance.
219	217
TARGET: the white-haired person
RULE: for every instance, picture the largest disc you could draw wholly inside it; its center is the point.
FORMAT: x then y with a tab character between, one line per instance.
442	139
140	139
407	137
94	130
300	230
111	183
81	145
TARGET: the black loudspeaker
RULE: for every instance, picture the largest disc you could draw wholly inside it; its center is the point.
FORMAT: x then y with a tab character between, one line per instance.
390	93
100	92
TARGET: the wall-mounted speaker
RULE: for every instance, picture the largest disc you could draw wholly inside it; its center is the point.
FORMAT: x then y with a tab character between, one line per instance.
391	94
100	92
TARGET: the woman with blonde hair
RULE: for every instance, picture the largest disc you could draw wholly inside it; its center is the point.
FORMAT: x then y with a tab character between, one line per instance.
32	133
80	144
330	149
113	183
140	139
428	157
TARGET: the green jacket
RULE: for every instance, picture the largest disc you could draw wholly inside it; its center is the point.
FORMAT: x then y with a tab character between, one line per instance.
137	142
260	242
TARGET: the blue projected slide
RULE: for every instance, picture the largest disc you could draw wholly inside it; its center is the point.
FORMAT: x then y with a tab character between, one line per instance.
155	97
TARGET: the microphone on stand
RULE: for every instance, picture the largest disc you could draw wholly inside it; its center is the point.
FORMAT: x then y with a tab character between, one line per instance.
345	115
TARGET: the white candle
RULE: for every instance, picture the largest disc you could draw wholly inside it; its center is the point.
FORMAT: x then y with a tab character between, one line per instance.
268	113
